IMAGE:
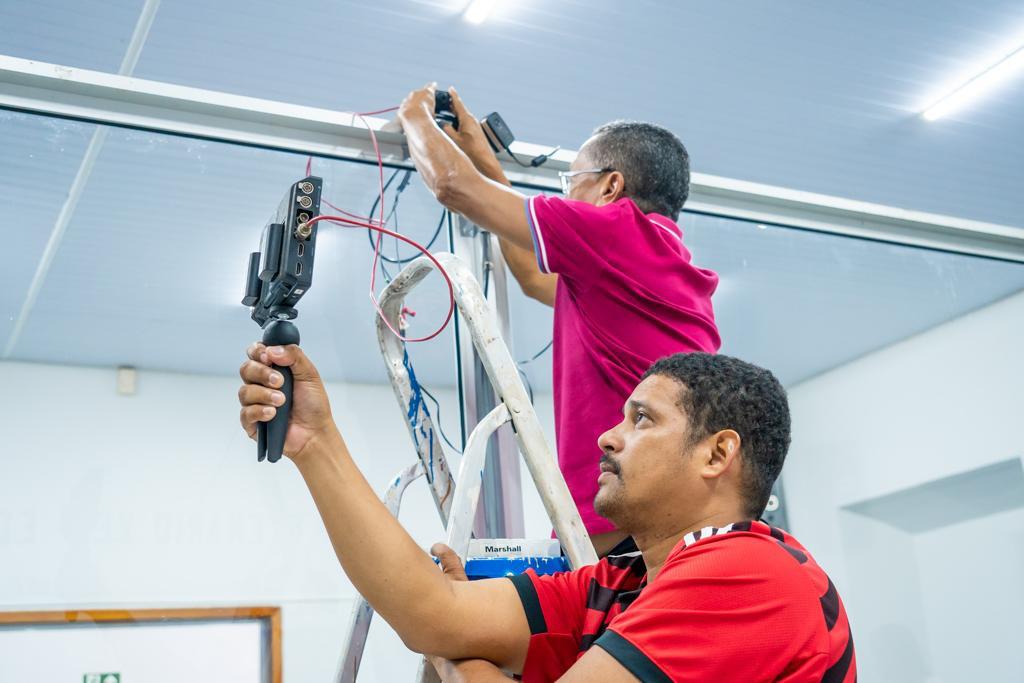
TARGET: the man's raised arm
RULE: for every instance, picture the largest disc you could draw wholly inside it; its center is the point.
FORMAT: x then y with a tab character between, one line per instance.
453	178
456	620
472	140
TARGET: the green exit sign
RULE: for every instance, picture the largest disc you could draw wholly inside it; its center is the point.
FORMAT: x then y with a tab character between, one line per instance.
101	678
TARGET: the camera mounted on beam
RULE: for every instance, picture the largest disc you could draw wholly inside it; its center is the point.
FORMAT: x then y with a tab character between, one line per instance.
497	132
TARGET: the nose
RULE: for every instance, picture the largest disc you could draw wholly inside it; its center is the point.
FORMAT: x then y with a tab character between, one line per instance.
611	440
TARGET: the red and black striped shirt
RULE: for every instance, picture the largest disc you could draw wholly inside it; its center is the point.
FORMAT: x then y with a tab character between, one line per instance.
745	602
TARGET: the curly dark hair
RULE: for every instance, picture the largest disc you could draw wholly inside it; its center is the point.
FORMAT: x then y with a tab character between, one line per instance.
651	159
721	392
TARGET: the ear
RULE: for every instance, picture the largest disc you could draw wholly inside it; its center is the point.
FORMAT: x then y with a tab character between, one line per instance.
722	454
613	185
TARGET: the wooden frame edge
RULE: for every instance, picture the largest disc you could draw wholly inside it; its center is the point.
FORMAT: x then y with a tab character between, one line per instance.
128	616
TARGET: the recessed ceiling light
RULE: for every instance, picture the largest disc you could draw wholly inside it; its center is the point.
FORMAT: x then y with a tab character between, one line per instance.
479	10
975	86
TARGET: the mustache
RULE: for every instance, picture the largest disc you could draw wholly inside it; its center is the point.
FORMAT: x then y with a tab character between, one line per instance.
612	465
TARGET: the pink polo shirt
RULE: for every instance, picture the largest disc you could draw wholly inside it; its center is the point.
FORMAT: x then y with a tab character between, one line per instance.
627	295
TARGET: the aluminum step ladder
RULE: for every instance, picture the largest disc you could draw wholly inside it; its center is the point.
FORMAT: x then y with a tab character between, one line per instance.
457	506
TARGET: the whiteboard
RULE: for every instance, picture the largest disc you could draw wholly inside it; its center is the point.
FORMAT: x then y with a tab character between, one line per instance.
233	651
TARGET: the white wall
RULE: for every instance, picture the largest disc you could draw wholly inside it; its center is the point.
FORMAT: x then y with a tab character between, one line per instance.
157	499
944	605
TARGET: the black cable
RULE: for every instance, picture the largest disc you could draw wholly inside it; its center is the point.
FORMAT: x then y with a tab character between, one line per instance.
403	261
538	160
486	249
388	277
433	239
395	225
526	380
440	427
377	198
376	202
397	261
392	214
537	355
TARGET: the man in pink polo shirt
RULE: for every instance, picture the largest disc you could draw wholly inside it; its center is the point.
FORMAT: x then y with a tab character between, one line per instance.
609	257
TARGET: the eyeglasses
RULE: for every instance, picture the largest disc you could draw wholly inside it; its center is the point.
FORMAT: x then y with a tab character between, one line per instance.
566	176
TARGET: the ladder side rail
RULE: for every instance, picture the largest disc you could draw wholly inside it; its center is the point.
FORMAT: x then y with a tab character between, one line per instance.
427	673
500	514
471	469
460	523
506	448
501	369
362	612
425	437
504	375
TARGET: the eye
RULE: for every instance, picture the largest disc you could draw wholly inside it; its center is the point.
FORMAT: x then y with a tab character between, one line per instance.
640	416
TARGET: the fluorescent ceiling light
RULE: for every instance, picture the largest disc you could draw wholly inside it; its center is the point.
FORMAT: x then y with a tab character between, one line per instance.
478	10
977	85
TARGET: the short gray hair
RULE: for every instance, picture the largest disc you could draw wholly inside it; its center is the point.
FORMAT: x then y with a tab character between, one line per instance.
653	161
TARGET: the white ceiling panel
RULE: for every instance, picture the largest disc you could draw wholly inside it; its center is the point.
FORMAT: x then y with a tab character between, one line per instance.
153	262
818	96
90	35
36	170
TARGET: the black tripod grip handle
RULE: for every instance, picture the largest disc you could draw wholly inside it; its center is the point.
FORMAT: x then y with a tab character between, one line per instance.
277	427
261	441
270	436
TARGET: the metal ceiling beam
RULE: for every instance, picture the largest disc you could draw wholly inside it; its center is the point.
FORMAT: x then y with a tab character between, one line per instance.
824	213
97	97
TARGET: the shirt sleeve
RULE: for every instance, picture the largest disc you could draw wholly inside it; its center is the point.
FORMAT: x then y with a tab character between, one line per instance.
555	605
571	238
729	611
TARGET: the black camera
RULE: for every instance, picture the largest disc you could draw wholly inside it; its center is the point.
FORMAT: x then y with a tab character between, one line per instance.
444	112
279	274
498	134
282	270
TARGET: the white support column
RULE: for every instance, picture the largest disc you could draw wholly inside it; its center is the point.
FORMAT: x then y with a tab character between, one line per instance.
501	514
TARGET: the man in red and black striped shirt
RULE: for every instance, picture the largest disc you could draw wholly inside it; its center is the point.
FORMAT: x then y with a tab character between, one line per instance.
705	594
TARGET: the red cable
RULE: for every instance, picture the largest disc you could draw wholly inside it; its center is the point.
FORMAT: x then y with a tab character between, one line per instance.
384	231
367	222
379	111
380	235
309	160
343	211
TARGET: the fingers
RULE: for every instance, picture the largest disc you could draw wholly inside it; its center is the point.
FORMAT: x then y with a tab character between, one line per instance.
259	396
259	372
293	357
254	394
451	565
460	109
257	351
418	100
424	93
250	415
